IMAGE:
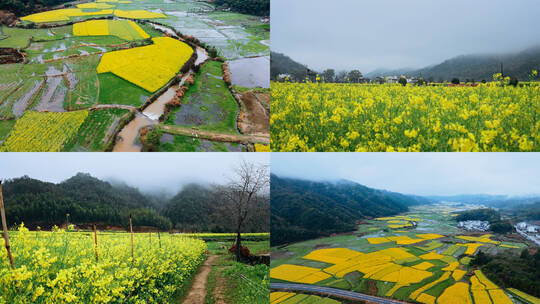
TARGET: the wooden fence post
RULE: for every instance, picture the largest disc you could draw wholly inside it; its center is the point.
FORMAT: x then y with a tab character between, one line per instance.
4	226
131	232
95	243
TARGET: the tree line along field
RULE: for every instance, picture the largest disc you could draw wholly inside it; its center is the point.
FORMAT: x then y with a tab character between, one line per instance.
408	257
84	60
391	117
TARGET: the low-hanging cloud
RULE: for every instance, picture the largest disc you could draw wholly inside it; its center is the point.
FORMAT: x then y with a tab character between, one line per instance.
366	35
150	172
420	173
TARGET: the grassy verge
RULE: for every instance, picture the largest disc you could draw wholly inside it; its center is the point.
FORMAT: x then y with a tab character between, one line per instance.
208	104
5	128
235	282
94	130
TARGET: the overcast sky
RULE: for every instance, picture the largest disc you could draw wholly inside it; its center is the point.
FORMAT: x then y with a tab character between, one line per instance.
147	171
349	34
420	173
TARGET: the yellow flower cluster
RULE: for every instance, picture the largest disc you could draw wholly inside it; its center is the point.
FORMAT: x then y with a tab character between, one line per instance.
125	29
262	148
481	286
138	14
362	117
95	5
456	294
525	296
481	239
63	15
300	274
43	131
278	297
61	267
471	247
149	67
66	13
201	235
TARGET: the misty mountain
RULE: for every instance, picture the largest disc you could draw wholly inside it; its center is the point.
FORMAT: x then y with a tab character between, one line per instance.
85	198
302	209
282	64
90	200
497	201
198	208
389	72
477	66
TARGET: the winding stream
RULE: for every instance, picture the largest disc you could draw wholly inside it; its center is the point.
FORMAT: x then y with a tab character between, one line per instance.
127	138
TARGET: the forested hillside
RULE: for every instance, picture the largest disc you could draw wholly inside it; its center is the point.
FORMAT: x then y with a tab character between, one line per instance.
87	200
199	208
303	209
251	7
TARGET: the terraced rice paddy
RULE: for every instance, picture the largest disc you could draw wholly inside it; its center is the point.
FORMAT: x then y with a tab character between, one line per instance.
118	64
422	262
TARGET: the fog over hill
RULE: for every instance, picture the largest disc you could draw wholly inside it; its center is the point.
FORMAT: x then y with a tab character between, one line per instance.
304	209
395	34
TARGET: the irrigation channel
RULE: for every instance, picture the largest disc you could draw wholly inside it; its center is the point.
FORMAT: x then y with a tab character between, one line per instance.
127	137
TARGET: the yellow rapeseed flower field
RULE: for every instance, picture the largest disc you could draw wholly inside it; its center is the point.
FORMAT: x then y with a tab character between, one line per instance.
149	67
63	15
471	247
95	5
125	29
367	117
61	267
426	299
43	131
138	14
524	296
66	13
299	274
333	255
278	297
456	294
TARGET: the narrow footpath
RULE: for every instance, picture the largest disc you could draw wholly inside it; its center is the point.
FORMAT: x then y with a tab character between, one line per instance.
197	293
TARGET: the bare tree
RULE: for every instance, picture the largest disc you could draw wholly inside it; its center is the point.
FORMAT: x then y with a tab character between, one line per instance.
245	195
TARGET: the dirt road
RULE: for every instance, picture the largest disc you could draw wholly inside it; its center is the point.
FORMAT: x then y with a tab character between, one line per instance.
214	135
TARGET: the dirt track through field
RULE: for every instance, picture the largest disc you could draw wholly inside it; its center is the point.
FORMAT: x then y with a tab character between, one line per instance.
197	293
215	135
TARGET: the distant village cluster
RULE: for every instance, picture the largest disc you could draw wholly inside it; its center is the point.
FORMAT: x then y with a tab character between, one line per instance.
474	225
529	231
376	80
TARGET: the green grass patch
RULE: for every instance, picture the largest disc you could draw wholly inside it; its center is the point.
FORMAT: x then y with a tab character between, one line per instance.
96	132
254	289
115	90
20	38
430	246
150	30
5	128
440	287
209	90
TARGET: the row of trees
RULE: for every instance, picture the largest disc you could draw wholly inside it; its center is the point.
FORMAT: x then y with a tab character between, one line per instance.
251	7
26	7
